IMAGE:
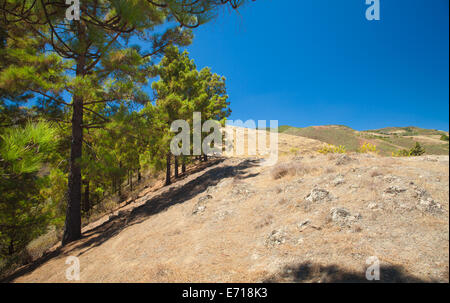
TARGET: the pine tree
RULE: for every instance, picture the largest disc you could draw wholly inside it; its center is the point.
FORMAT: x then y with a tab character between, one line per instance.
99	66
181	91
177	77
23	215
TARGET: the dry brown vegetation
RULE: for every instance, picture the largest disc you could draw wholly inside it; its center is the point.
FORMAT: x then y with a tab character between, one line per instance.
311	218
291	169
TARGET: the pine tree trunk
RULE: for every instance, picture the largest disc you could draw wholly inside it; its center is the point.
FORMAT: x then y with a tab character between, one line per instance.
120	181
168	169
139	175
183	165
176	166
72	229
205	157
11	247
87	202
131	179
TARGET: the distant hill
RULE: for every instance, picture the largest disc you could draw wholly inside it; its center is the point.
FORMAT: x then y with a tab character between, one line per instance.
387	139
409	131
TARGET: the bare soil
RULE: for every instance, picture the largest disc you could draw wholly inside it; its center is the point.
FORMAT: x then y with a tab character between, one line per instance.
237	221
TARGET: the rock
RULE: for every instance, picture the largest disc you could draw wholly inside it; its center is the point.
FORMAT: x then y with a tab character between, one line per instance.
241	191
343	217
318	194
199	209
302	225
420	193
276	238
390	178
204	198
429	205
201	204
343	159
339	213
211	189
373	206
394	189
338	180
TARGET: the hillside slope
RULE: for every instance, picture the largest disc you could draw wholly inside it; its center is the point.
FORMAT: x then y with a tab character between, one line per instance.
311	218
387	139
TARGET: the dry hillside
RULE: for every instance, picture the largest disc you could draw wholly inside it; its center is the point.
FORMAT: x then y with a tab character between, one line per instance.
387	140
310	218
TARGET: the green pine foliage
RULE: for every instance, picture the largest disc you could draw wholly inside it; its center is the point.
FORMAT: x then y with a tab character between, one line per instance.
89	111
181	91
23	211
416	150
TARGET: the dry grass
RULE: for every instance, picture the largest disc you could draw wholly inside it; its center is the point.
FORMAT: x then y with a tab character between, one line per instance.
226	242
37	247
291	169
282	170
376	173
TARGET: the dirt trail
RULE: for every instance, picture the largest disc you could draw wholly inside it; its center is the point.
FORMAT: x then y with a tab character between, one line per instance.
233	222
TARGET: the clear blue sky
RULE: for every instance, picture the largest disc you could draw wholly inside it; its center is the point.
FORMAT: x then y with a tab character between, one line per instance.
316	62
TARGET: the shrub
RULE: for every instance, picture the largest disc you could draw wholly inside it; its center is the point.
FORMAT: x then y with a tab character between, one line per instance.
332	149
417	150
292	169
367	147
444	138
401	153
281	170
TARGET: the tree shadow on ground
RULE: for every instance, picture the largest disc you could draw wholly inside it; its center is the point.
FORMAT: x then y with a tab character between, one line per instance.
31	267
308	272
176	193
